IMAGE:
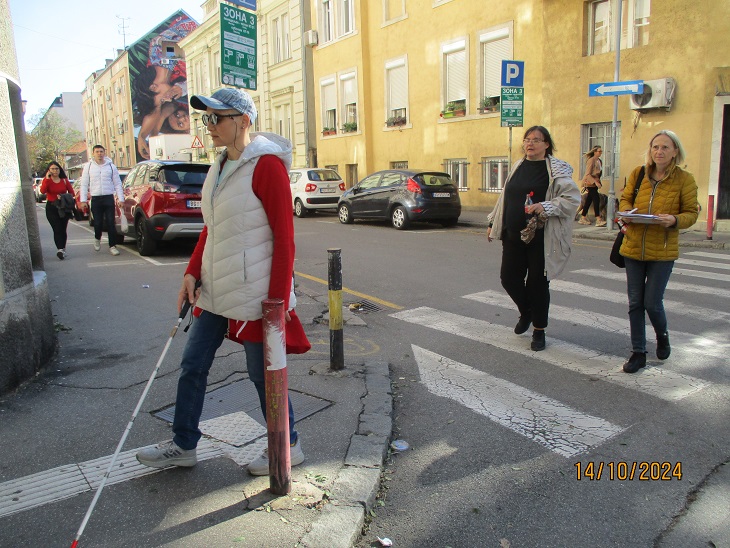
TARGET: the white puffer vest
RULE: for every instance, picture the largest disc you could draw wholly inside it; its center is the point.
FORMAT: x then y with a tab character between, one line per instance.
236	267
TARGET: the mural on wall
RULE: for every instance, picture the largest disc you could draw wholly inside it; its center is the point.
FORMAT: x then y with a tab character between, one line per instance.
158	82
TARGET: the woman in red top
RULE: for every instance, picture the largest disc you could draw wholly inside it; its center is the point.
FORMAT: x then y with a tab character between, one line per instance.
55	183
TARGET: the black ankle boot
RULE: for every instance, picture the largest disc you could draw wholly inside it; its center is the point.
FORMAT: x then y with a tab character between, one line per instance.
636	362
538	340
662	346
523	324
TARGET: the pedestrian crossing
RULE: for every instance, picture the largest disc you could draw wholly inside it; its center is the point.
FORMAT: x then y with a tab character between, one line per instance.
557	426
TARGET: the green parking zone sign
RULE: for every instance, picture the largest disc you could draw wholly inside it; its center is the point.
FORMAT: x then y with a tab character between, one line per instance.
238	47
512	104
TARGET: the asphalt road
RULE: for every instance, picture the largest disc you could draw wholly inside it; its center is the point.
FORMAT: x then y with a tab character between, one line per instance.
498	433
495	431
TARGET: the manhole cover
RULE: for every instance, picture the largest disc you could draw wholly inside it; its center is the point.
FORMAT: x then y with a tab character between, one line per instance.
363	306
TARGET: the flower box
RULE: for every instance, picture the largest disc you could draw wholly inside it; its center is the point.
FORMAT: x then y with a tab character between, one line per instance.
396	121
326	132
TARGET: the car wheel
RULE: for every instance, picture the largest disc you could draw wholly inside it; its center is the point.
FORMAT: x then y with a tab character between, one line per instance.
145	244
399	218
299	209
449	222
344	214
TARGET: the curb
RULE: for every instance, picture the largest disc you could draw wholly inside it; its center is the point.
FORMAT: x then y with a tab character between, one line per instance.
356	486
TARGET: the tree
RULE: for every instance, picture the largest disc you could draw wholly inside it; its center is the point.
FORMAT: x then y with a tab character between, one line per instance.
49	139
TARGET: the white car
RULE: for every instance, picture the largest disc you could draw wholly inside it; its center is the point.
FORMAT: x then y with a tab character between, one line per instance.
315	188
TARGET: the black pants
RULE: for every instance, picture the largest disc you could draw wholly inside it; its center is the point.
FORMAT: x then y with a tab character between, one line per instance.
520	261
102	207
58	224
592	197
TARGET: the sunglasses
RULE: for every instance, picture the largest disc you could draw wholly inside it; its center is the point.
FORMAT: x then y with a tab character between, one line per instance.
214	118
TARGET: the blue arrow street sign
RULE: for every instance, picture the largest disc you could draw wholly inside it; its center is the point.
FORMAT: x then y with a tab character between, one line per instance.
604	89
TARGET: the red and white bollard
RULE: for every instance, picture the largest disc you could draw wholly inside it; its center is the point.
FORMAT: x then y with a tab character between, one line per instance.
277	396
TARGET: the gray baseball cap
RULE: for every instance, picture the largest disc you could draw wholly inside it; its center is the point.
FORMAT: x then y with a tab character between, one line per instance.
225	99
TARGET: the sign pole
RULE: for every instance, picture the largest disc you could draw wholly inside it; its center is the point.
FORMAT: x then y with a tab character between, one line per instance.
509	165
611	209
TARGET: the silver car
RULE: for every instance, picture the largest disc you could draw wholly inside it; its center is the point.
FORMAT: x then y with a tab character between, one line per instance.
315	188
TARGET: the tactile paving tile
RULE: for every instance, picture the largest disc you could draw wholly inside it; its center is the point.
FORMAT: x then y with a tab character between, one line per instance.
234	429
38	489
246	454
242	396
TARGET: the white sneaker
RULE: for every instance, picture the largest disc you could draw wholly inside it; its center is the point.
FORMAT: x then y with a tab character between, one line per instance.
97	245
167	453
114	251
260	466
61	254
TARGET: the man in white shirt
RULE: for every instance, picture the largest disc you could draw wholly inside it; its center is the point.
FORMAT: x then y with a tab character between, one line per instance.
100	180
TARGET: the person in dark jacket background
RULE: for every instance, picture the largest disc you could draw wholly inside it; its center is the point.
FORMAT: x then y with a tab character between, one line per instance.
53	185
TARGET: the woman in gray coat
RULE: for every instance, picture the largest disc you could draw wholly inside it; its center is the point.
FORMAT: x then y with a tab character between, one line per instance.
538	185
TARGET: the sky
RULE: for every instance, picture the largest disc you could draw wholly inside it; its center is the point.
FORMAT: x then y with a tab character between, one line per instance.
59	43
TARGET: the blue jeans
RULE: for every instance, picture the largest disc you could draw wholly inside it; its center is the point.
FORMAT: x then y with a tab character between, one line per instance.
205	337
646	282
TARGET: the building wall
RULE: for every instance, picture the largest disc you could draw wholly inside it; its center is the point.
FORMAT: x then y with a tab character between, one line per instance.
27	337
281	83
688	42
68	105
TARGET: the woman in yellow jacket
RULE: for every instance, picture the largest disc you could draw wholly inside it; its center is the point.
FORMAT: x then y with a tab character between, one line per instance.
670	193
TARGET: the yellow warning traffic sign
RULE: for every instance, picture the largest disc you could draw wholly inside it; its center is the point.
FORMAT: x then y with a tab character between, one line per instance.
197	143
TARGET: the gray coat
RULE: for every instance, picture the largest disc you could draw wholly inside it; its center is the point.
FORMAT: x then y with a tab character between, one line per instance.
561	202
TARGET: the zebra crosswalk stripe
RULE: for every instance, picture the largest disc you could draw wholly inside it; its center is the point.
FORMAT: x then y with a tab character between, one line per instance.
682	342
709	255
654	381
684	309
716	292
708	264
560	428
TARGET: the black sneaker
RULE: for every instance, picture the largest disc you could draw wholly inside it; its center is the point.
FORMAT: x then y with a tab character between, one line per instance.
523	324
636	362
662	346
538	340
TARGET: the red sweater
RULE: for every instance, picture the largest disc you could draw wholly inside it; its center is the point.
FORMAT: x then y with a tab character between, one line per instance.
271	186
52	190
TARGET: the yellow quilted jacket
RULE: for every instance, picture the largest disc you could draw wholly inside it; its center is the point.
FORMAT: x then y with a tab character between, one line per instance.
675	195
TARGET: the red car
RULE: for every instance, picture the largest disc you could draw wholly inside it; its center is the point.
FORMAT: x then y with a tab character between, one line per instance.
162	202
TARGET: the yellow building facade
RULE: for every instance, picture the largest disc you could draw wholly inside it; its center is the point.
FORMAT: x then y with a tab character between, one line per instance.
400	83
107	108
282	95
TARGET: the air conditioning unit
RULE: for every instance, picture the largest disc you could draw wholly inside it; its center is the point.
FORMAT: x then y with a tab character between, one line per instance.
656	94
310	38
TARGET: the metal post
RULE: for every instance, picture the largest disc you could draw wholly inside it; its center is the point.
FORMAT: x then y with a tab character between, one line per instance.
710	215
334	279
277	396
611	206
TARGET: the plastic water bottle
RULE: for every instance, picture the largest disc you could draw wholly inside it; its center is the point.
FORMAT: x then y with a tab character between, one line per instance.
528	203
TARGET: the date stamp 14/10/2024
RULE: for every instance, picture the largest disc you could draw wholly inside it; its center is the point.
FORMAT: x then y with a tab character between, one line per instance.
628	470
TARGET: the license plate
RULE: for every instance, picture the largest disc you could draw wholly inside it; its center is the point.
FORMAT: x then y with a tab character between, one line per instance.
327	190
442	195
194	204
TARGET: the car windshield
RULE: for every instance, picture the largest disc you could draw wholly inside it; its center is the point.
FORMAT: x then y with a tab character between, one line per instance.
185	179
433	179
323	175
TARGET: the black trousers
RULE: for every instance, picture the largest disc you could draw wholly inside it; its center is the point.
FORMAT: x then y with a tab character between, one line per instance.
58	224
102	207
592	197
523	276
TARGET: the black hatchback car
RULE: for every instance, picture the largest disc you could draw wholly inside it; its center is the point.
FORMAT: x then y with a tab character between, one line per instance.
402	196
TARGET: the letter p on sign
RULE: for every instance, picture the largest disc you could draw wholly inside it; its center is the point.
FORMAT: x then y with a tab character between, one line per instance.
513	74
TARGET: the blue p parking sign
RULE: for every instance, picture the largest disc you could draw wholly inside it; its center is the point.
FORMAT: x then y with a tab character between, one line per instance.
513	74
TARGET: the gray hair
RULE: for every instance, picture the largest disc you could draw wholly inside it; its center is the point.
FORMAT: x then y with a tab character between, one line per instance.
681	154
